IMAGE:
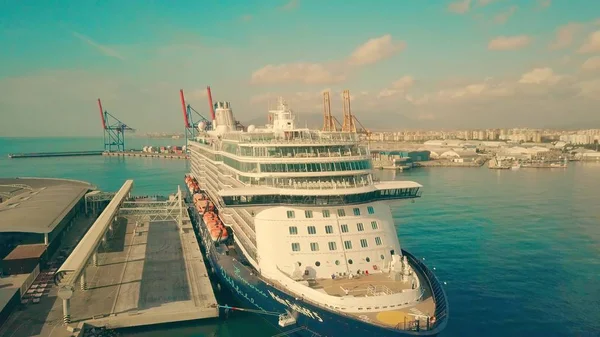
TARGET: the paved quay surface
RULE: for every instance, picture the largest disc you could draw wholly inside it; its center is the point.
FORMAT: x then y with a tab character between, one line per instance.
147	274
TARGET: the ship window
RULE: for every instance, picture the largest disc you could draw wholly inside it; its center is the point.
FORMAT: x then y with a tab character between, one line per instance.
374	224
293	230
341	212
317	263
368	259
370	210
378	242
329	229
356	211
348	244
326	213
360	227
332	245
363	243
290	214
312	230
314	246
344	228
295	246
382	257
337	262
308	214
350	261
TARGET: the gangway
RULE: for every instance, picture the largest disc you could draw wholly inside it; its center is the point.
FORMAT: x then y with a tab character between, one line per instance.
74	266
169	210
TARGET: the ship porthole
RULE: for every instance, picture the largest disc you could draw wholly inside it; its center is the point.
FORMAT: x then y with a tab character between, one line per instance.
368	259
337	262
317	263
350	261
382	257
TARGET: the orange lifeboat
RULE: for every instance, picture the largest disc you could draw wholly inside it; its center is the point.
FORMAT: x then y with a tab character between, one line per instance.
218	233
214	225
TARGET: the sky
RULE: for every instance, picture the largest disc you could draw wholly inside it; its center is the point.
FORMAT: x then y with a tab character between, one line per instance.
426	64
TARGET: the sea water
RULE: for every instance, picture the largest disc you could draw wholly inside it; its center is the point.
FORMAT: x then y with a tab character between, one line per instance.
519	251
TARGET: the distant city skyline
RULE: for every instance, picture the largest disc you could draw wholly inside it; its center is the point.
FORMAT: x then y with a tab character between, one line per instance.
465	64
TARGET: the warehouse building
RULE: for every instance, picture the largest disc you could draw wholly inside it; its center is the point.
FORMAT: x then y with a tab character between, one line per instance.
34	215
414	156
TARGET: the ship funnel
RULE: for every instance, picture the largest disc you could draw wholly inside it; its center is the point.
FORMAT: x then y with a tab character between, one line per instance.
224	117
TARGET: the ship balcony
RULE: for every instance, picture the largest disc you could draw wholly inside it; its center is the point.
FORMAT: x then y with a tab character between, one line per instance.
294	137
269	196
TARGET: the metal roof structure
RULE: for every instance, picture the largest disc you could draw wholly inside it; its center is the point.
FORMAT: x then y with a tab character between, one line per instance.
75	263
32	251
37	205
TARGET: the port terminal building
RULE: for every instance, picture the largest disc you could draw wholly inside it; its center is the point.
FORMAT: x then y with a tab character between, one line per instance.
35	214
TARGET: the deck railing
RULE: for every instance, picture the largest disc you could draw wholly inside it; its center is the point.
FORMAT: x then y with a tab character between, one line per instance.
437	291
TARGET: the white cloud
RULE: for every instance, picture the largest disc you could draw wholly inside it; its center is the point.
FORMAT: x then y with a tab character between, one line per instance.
503	17
398	87
307	73
101	48
538	81
311	101
509	42
290	5
403	83
591	64
592	43
540	76
485	2
460	7
372	51
196	94
590	89
565	34
544	3
375	50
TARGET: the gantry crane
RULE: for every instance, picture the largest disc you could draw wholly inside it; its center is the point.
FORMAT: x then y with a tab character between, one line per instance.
350	120
329	122
114	130
191	127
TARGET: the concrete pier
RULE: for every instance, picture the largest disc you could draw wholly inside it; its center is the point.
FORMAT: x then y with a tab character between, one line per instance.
54	154
147	274
146	154
133	267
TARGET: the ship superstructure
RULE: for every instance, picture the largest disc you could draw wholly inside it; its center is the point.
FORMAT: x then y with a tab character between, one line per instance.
313	227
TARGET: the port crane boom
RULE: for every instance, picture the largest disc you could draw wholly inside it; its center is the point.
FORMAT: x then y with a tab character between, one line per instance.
114	130
191	126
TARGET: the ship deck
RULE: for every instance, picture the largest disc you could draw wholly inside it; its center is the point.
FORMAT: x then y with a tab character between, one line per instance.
358	286
400	318
391	317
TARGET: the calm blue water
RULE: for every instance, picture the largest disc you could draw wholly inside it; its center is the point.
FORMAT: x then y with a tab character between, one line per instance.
519	250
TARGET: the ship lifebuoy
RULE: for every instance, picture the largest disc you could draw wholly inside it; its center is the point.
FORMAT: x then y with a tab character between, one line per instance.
374	267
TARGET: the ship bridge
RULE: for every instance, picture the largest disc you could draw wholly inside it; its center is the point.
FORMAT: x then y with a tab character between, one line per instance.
382	191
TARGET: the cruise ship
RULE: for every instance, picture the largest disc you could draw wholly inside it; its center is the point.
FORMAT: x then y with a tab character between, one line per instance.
293	222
